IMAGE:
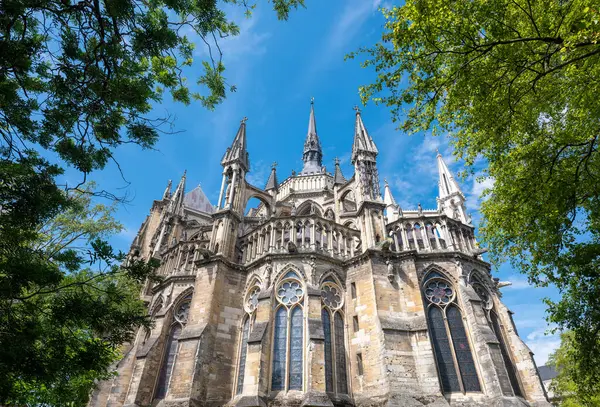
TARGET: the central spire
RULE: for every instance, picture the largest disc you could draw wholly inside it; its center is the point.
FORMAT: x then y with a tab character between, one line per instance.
312	155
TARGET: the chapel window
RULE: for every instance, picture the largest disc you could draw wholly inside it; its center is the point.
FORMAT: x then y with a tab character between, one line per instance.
451	346
288	337
250	305
180	319
488	308
336	380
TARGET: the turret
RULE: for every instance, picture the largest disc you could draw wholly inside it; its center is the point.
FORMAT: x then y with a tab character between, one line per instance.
364	158
392	208
272	184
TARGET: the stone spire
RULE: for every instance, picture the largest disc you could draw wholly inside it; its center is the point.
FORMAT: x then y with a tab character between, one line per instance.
388	198
272	183
363	143
338	177
312	155
451	200
176	205
447	185
237	152
167	193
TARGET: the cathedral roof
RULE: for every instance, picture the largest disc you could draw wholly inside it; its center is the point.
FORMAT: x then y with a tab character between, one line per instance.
197	199
237	152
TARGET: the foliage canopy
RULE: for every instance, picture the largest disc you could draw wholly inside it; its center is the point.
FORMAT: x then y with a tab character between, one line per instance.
515	83
77	80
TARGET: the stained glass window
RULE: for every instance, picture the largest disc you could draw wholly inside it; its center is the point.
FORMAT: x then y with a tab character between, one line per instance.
510	368
279	350
443	352
243	352
328	357
296	349
331	296
340	355
462	349
291	274
449	337
252	300
433	274
335	348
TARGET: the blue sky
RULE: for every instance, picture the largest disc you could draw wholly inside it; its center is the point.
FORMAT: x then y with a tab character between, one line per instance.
277	67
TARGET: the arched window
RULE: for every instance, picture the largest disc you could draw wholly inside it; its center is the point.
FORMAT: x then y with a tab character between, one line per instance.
453	355
180	318
250	305
288	336
336	380
487	306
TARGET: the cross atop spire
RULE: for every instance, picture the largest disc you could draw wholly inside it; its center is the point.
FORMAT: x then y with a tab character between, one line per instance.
356	109
274	164
312	154
244	120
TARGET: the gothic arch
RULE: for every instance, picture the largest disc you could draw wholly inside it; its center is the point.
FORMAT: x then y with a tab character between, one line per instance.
158	305
262	196
305	208
287	268
180	298
252	280
333	273
435	268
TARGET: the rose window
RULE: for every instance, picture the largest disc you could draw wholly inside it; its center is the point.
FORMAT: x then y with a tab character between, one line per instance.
252	301
331	296
439	292
290	292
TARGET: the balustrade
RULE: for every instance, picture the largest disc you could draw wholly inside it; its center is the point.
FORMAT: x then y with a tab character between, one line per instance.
431	234
301	234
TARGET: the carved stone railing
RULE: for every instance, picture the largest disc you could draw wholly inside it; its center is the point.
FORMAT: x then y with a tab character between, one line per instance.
302	234
428	232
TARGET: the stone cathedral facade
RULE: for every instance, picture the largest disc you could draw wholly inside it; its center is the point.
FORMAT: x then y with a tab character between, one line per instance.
325	294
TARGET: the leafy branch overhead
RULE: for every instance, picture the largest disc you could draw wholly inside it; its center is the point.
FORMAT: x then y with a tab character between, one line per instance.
74	75
515	83
78	79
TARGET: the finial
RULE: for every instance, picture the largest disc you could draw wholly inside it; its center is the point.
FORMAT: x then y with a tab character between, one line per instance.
438	152
385	181
184	172
312	100
357	109
337	161
244	120
274	164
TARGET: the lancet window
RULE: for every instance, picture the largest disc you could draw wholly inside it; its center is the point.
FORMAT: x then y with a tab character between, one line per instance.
451	346
494	323
180	319
288	334
336	380
250	305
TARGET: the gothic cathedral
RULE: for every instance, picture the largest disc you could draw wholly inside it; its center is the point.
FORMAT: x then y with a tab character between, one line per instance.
325	294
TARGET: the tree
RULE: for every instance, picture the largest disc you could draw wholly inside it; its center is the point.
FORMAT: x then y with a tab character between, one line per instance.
78	80
566	363
61	327
515	83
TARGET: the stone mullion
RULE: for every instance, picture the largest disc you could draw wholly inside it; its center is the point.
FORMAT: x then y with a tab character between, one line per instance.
315	394
258	356
397	246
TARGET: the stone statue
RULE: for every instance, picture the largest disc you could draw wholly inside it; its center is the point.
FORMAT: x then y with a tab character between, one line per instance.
267	275
390	270
420	209
294	210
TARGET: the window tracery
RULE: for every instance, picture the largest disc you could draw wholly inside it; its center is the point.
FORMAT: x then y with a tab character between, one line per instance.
288	335
452	350
336	380
250	305
180	319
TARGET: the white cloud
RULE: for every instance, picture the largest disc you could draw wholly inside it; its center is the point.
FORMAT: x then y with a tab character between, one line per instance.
258	174
542	345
